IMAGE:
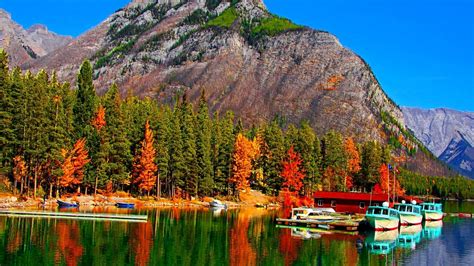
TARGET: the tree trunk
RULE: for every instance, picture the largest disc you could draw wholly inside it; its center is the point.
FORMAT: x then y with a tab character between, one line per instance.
158	186
95	185
85	192
35	182
50	190
14	187
79	190
21	186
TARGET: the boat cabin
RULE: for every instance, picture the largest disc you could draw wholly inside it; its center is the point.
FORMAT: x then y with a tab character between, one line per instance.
436	207
349	202
410	208
376	210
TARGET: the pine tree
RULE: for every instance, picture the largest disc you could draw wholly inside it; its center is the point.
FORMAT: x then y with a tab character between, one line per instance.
176	161
120	157
73	165
191	177
163	138
203	144
271	156
144	167
371	159
6	117
225	150
305	147
85	101
334	158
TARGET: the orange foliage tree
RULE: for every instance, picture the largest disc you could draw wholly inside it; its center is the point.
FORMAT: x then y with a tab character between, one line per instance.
144	167
99	120
244	152
387	183
73	165
292	171
353	162
19	170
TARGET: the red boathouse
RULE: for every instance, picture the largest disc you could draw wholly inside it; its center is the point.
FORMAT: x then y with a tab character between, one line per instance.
351	202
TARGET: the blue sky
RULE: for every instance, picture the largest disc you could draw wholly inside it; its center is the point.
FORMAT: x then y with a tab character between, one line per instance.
420	50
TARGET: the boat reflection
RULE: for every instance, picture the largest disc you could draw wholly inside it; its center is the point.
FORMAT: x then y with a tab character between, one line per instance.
409	236
304	233
381	242
432	229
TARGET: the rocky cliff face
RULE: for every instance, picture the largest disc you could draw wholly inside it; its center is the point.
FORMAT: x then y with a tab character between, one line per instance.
160	48
24	45
449	134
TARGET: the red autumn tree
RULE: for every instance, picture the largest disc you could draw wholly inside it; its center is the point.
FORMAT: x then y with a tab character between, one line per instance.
144	167
99	120
73	165
292	171
353	162
244	152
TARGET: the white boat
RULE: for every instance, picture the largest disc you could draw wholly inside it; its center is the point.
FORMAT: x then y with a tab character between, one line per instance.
217	204
382	218
410	213
313	214
432	211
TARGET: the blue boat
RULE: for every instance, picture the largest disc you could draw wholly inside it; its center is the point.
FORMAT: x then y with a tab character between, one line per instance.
125	205
65	204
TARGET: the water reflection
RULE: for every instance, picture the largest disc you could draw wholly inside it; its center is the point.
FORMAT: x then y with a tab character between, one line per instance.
177	236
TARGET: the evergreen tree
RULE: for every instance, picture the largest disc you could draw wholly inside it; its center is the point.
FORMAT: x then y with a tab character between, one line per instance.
84	106
305	147
334	161
371	159
163	138
272	155
176	169
225	150
191	178
6	117
203	144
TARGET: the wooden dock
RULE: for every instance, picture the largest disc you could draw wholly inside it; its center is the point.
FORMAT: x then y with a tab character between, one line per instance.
76	216
344	225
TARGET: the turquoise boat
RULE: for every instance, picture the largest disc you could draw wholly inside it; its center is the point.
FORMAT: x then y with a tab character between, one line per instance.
432	211
382	218
410	213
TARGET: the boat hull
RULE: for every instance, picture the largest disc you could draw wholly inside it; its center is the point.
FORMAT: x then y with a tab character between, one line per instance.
432	216
410	219
125	205
382	223
64	204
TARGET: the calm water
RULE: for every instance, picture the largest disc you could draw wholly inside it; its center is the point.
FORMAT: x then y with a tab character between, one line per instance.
235	237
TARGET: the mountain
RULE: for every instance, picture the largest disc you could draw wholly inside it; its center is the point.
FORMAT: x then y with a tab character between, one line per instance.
449	134
246	60
24	45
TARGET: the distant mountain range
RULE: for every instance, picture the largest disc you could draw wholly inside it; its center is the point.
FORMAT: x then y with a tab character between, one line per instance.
24	45
449	134
248	61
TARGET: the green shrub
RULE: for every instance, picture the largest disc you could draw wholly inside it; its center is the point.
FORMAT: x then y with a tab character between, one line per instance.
122	48
224	20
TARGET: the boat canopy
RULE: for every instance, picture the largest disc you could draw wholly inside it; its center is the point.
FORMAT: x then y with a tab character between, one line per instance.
377	210
431	207
408	208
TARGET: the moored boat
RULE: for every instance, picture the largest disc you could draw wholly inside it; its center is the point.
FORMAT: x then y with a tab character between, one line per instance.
65	204
410	213
217	204
313	214
382	218
432	211
125	205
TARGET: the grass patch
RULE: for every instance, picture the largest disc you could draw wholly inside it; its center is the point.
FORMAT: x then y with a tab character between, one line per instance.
273	26
224	20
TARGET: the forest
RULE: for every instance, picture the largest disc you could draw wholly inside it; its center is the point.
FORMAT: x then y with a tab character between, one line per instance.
56	140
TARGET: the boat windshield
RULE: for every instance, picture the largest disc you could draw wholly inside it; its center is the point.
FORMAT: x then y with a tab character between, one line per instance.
379	211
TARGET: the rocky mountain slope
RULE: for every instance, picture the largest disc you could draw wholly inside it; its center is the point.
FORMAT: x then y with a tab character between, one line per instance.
449	134
25	45
247	60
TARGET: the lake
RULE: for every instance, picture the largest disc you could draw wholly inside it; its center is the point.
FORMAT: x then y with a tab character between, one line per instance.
177	236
